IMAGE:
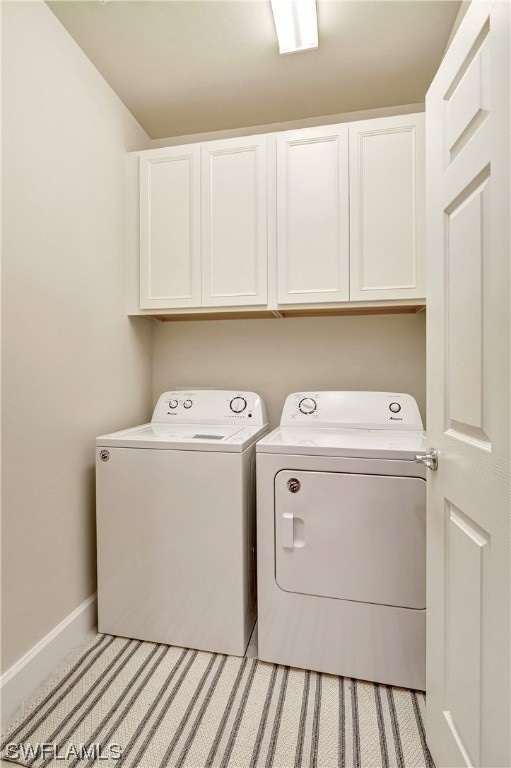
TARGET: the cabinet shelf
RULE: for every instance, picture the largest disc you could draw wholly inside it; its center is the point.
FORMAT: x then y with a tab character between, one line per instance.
405	309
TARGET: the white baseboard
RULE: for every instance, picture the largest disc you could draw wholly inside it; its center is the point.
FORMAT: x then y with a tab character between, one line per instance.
30	672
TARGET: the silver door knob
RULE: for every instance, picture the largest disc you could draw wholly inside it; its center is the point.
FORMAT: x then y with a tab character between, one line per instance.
430	459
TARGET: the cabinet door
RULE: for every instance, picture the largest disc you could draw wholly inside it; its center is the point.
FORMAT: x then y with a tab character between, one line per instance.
312	215
234	215
170	228
387	191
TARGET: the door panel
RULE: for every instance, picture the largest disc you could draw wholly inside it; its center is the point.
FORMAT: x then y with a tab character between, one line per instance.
387	208
468	532
352	537
467	254
312	215
467	550
170	228
467	102
234	214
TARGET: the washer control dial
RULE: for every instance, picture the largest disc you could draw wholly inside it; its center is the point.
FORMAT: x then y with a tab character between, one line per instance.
394	407
188	403
238	404
172	403
307	405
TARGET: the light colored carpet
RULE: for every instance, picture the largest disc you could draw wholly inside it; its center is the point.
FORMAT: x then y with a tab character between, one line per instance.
142	705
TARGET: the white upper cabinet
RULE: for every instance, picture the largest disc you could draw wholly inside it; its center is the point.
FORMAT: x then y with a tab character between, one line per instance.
234	222
323	215
313	215
387	208
170	256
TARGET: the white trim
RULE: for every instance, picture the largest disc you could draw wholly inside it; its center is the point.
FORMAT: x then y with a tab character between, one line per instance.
29	672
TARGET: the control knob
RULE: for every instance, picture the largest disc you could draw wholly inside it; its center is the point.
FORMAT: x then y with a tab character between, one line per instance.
188	403
394	407
172	403
238	404
307	405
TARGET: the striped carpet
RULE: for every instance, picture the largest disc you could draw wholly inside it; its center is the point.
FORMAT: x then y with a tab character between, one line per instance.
135	704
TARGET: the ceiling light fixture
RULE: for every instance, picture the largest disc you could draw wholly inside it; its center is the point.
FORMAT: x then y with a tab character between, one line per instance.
296	24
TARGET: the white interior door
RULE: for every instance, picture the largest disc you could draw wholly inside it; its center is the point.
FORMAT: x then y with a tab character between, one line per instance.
468	599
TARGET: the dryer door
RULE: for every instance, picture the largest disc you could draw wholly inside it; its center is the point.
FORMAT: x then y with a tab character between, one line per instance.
351	537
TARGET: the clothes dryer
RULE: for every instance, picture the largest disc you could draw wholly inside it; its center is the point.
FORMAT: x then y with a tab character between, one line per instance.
341	527
176	522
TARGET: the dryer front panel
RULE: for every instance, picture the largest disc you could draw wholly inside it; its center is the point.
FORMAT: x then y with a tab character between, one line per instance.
351	536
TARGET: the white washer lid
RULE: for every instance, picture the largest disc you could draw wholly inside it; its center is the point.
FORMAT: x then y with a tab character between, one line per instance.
188	437
354	443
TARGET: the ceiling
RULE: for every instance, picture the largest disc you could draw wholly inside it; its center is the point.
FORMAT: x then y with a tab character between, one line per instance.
187	66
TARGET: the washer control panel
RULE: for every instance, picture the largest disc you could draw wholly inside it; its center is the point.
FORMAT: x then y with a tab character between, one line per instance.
356	410
210	406
238	404
307	405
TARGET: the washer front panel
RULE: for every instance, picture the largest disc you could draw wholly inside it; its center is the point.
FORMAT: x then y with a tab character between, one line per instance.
368	641
175	538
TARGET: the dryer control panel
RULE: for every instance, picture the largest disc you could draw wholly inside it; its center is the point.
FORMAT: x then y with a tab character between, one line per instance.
210	406
352	410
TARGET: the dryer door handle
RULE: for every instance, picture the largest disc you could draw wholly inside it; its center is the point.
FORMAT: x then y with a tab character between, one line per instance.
288	530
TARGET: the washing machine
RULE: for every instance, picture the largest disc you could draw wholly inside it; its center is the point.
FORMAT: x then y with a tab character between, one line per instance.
176	522
341	536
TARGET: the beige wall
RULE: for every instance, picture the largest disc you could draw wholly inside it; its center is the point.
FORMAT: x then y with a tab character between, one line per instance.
276	357
74	365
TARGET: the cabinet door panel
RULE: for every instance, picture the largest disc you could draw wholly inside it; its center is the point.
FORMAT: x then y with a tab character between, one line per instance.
170	228
234	213
387	208
312	215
